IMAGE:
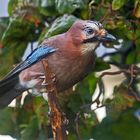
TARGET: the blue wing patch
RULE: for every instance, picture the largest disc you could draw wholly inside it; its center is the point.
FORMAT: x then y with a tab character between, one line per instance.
37	55
40	53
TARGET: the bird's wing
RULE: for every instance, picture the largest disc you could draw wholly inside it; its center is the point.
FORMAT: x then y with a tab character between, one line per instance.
37	54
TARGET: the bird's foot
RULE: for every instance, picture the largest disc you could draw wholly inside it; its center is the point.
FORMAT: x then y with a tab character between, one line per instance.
42	77
52	78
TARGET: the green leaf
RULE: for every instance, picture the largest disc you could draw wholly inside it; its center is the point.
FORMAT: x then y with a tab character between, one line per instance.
12	6
41	109
3	25
87	120
60	25
86	87
8	122
68	6
19	29
47	8
15	39
137	9
100	65
30	132
75	102
117	4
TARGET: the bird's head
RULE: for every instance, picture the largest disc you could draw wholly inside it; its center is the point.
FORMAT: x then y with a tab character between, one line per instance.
89	34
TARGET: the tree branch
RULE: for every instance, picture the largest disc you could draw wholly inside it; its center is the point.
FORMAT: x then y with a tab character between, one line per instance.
57	118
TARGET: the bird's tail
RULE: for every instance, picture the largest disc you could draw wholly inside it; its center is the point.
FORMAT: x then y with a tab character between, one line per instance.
9	89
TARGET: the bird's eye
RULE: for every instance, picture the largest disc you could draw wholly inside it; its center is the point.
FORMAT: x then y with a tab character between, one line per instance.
89	31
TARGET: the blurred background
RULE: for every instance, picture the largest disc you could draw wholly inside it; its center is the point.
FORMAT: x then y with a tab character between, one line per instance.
105	105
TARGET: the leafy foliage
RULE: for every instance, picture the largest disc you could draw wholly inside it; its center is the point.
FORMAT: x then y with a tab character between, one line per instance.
32	21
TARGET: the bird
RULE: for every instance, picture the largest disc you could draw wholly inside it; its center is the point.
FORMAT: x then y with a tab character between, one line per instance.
70	56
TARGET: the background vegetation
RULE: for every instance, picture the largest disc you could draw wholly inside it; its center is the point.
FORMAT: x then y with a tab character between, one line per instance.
31	21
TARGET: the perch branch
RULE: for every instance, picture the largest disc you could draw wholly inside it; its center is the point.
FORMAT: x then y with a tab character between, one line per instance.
57	117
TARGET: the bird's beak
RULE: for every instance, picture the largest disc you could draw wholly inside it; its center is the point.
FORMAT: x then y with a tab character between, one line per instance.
106	38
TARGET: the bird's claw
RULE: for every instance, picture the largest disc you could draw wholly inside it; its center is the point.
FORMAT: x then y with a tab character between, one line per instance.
42	77
44	84
54	80
52	75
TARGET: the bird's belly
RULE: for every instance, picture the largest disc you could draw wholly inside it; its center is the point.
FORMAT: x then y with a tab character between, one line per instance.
69	73
67	79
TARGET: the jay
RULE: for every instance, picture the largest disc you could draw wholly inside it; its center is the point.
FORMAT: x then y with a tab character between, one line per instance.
70	56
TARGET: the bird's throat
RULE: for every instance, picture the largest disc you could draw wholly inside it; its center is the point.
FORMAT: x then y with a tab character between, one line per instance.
88	48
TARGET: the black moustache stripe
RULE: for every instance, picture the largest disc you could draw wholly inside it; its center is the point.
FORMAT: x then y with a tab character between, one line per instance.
91	40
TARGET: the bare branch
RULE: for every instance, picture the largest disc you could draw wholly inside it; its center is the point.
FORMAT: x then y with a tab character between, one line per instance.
57	118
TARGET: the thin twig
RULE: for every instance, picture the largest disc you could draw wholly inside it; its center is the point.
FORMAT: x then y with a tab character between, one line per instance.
76	124
113	73
135	94
131	75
